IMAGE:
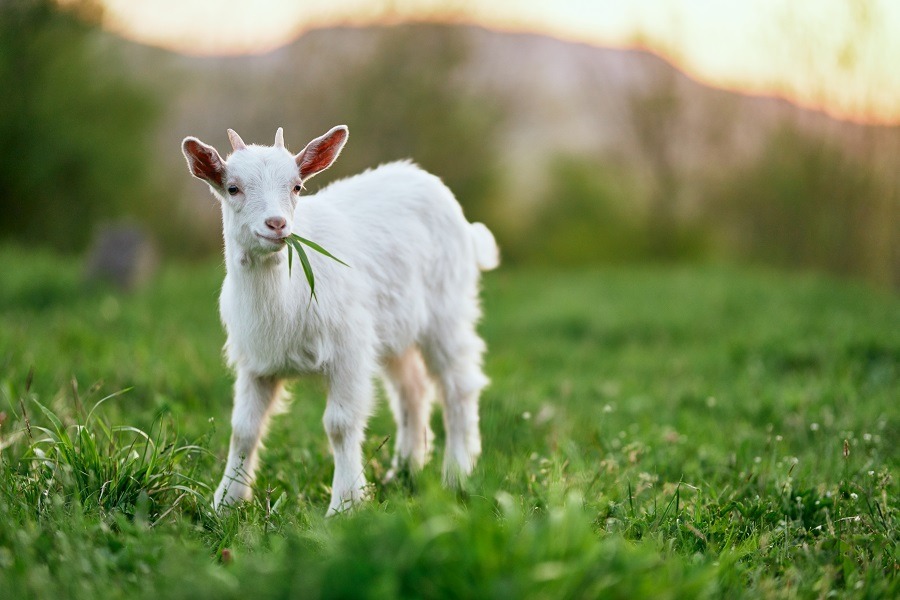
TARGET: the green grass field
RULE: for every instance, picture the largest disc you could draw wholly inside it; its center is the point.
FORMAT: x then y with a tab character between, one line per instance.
649	433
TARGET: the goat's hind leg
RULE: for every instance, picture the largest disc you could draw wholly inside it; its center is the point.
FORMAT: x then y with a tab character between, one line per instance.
410	394
254	400
454	360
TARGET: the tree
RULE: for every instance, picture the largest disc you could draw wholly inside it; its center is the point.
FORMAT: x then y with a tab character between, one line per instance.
74	128
408	101
803	203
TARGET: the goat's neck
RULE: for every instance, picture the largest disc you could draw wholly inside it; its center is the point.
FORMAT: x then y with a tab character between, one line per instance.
259	271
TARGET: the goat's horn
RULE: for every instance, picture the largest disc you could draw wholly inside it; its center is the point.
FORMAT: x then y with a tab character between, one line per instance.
236	142
279	138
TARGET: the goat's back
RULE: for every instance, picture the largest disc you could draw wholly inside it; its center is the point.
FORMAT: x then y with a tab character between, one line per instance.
396	214
411	252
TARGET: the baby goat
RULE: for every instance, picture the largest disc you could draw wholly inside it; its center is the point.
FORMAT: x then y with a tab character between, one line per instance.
407	306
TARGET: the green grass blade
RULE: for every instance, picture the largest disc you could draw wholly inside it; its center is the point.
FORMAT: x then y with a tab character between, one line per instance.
290	249
307	269
102	400
295	242
51	416
194	448
318	248
61	434
50	435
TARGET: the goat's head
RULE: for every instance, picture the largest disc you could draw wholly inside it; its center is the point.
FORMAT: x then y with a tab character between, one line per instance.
258	186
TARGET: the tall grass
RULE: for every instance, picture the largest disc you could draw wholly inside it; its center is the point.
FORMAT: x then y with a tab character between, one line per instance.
117	469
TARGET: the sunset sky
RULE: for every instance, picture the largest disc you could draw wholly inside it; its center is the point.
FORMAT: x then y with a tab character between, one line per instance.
838	55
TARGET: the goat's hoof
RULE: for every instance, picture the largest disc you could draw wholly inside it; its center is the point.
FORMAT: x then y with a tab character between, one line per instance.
402	474
223	504
342	505
340	509
455	476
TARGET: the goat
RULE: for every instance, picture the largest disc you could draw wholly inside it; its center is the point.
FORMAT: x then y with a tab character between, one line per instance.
407	306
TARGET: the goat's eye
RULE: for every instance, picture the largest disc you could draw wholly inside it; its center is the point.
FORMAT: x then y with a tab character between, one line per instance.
233	190
297	188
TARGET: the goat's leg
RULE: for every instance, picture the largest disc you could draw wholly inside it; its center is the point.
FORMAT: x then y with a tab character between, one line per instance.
349	406
410	394
254	399
454	359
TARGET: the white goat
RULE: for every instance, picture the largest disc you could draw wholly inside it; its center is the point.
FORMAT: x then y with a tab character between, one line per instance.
409	300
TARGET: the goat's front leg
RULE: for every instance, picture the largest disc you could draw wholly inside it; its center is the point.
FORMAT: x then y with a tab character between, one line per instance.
349	406
254	398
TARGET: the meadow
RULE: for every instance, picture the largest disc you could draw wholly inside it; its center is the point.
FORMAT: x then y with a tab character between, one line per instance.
650	432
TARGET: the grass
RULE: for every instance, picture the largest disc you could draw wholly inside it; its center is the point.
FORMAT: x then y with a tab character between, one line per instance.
295	243
649	433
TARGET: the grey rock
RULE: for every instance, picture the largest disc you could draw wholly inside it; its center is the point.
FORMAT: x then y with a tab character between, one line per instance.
122	254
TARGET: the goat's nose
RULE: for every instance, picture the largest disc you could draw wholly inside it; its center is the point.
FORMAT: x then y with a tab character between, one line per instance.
276	224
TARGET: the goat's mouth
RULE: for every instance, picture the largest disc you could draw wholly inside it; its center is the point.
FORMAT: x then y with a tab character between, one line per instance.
276	242
271	243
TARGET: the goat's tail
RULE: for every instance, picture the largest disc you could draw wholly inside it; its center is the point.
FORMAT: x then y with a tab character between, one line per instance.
487	253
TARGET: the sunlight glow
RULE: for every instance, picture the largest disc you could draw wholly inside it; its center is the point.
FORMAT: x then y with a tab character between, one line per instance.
835	55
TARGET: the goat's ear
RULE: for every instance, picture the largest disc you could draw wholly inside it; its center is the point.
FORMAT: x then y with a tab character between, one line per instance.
204	162
320	153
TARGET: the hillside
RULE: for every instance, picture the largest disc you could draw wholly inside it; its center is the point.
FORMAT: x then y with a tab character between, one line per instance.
556	97
651	162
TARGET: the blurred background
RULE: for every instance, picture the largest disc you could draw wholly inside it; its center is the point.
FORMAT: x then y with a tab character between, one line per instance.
583	133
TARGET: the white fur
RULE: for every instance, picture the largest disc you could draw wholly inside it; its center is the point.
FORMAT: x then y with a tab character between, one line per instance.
406	307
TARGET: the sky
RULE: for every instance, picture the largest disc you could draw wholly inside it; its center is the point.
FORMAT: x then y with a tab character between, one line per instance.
835	55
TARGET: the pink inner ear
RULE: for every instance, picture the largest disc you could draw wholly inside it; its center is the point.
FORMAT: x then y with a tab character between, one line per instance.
320	153
205	163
